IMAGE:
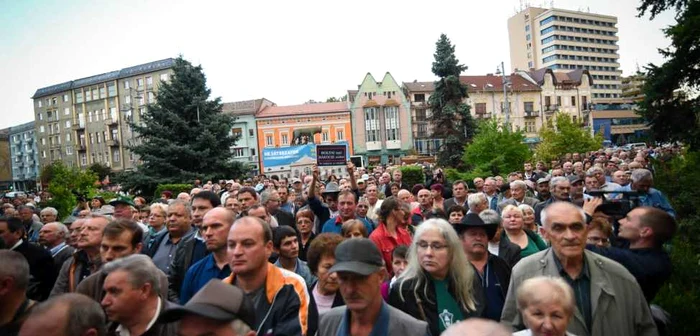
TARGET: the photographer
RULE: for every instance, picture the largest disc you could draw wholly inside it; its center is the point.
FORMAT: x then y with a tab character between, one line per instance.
82	203
439	178
642	181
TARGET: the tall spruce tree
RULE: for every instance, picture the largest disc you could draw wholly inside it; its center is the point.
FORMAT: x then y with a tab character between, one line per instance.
183	136
450	116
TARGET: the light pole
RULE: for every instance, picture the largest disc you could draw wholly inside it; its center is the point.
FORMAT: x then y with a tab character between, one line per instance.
506	107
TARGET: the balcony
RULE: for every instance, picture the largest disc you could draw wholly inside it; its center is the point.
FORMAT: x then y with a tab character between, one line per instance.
81	147
532	114
551	108
54	145
483	115
78	126
113	143
19	164
110	122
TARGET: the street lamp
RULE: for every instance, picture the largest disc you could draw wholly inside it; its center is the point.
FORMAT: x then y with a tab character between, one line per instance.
506	107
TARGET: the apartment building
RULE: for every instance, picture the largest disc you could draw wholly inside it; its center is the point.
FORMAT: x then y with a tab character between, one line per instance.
565	40
246	148
23	156
381	120
566	92
5	158
418	94
632	87
85	121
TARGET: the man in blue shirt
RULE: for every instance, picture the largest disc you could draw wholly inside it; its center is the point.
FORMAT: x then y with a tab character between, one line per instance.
642	181
347	203
286	244
215	227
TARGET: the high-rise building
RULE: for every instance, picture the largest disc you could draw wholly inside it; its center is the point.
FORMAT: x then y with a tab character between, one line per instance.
23	156
565	40
84	121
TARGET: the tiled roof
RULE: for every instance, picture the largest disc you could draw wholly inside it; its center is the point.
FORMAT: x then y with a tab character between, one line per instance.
495	83
573	76
112	75
244	107
419	86
304	109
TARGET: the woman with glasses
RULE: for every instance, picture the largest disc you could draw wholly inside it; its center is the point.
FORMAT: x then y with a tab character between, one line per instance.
436	287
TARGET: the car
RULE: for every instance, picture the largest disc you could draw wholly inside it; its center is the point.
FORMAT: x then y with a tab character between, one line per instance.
14	194
637	145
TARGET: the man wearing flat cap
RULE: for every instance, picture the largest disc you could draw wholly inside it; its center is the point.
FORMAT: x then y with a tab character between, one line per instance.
217	309
493	271
361	271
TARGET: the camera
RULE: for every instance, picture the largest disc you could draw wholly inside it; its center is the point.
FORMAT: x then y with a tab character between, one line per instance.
81	197
619	204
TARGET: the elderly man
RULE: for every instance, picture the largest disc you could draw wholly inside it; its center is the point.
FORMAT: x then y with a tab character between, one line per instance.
603	184
48	215
491	191
165	243
217	309
460	191
66	315
14	282
542	188
132	301
477	203
361	271
608	299
86	260
642	181
518	189
53	237
559	189
271	201
123	207
425	205
41	266
31	226
478	184
620	177
280	298
183	196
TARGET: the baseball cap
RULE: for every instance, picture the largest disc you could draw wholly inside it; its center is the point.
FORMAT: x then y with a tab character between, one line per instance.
121	200
574	178
357	255
296	180
543	180
217	300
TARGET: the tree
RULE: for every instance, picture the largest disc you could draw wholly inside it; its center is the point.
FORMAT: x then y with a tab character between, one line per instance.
671	103
101	170
183	136
65	184
450	116
496	150
564	136
337	99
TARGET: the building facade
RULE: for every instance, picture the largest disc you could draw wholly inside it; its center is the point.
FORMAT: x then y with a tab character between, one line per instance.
5	161
23	156
288	135
566	92
632	87
84	121
564	40
246	149
418	94
619	122
381	120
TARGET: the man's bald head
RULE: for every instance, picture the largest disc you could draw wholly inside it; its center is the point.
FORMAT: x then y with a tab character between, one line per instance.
68	314
477	327
226	215
405	195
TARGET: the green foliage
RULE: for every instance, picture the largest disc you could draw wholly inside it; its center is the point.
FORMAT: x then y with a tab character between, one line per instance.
174	188
63	181
183	136
680	296
671	103
101	170
412	175
562	136
496	150
450	116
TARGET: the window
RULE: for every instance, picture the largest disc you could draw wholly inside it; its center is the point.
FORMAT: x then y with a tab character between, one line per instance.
239	152
480	108
98	137
573	101
115	155
559	100
66	111
41	129
40	116
391	119
149	81
139	83
269	142
127	85
92	138
340	135
530	126
251	133
528	37
88	95
164	77
43	154
372	124
67	137
54	101
237	132
115	135
584	101
419	97
112	89
252	151
65	98
67	124
95	94
103	92
285	139
69	150
104	114
151	97
142	100
324	136
43	141
528	106
82	139
39	102
127	100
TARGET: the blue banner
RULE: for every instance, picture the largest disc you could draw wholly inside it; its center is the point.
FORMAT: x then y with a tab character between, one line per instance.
285	156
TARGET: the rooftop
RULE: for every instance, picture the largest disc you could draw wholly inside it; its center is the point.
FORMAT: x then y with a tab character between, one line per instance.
304	109
112	75
246	106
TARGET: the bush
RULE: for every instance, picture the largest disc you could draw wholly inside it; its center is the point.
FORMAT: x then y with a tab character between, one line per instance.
64	183
174	188
412	175
495	150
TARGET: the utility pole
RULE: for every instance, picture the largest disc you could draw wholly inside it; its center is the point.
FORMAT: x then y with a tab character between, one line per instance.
506	106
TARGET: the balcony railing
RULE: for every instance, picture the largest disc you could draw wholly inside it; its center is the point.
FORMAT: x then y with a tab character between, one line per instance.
78	126
113	143
81	147
551	108
483	115
532	114
110	122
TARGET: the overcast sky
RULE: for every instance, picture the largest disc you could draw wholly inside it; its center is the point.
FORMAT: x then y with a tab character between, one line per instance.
286	51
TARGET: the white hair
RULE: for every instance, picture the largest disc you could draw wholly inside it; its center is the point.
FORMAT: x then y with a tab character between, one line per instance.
641	174
475	199
545	212
518	184
50	211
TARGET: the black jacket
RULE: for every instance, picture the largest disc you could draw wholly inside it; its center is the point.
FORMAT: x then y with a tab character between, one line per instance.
428	305
158	329
540	206
285	218
187	254
509	252
41	269
61	257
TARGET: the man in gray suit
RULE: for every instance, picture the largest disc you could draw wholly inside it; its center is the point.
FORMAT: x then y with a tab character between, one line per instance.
361	272
609	300
517	196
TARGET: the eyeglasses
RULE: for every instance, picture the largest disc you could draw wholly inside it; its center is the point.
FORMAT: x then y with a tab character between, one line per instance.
595	240
362	206
433	246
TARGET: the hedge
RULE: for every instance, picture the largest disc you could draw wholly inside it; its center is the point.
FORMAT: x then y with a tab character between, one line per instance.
174	188
412	175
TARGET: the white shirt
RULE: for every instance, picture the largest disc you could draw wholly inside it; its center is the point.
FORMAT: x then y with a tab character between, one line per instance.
124	331
493	248
18	243
372	210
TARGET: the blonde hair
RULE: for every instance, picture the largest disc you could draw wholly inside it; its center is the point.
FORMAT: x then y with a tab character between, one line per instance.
160	206
350	224
462	278
509	208
546	289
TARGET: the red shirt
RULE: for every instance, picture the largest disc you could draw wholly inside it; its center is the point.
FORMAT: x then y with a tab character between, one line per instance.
387	243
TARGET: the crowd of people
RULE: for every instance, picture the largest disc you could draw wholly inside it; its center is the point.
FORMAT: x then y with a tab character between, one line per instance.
537	252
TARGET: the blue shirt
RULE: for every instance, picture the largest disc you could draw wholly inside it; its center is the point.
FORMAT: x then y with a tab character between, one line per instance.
381	326
302	270
166	251
654	198
335	225
492	293
58	248
199	275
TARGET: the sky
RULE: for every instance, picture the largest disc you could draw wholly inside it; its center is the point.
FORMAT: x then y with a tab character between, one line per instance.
286	51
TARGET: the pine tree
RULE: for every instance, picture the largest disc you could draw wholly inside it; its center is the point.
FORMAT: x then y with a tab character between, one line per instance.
183	136
450	116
